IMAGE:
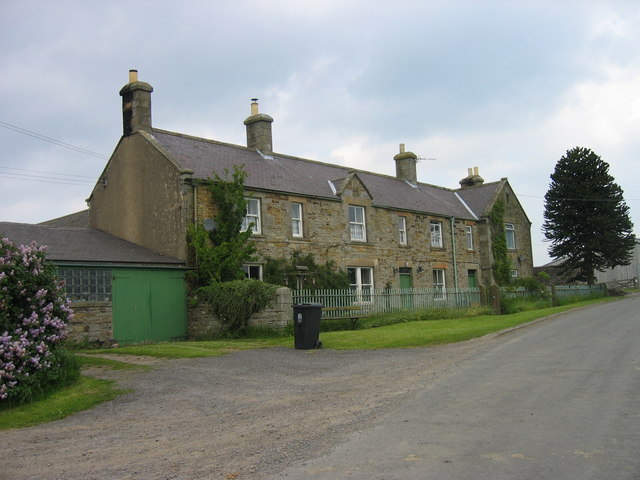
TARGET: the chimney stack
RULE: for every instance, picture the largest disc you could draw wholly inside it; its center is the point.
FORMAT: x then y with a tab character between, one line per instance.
259	130
406	165
136	105
473	178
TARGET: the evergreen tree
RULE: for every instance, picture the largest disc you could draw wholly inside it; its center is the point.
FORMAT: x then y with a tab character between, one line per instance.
586	218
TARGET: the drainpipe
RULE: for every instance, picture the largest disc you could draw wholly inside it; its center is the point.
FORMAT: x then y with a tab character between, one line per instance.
453	248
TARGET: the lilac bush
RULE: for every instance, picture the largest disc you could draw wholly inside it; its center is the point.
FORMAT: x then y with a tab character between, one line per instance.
33	315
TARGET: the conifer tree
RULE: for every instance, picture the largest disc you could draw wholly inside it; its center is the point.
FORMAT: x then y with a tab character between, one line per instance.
586	217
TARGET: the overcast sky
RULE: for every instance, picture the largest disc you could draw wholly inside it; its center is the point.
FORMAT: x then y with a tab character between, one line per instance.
508	86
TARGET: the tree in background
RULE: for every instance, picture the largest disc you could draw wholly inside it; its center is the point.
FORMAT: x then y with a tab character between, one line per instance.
220	253
586	218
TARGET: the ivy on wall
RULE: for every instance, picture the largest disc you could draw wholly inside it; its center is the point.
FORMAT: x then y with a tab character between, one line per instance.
219	254
501	263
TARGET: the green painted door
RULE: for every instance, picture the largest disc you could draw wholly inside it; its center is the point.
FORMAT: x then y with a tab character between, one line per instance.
405	284
148	305
472	278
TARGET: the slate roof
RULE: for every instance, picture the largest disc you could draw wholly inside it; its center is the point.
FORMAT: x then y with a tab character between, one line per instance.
480	198
305	177
79	244
78	219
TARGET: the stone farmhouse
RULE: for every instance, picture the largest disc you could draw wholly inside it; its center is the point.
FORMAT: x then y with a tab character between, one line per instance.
124	259
385	231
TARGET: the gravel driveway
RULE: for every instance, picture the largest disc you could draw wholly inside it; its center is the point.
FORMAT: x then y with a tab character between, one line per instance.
240	416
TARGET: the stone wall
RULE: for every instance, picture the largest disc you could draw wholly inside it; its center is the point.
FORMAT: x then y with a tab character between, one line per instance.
92	321
203	324
327	237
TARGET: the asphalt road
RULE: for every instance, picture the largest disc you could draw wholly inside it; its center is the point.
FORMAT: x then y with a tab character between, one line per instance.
557	400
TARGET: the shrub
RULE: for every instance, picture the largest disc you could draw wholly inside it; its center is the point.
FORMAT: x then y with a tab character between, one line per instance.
33	316
404	316
510	305
233	303
579	298
313	276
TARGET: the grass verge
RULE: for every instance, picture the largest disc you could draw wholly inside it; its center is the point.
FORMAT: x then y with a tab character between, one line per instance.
86	393
196	349
412	333
95	361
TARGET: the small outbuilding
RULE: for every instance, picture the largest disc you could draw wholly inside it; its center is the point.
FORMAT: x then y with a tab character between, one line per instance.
120	292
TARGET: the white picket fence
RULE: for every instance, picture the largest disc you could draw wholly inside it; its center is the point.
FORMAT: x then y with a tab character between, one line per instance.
386	300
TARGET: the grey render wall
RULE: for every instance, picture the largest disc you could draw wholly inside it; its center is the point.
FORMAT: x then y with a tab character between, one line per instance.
141	197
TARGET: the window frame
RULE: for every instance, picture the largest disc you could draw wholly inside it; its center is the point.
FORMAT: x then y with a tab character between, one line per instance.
510	235
355	224
252	219
436	238
469	236
439	284
297	220
362	289
402	230
247	267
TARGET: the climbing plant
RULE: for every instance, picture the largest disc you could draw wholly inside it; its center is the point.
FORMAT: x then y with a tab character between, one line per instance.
219	254
501	262
302	271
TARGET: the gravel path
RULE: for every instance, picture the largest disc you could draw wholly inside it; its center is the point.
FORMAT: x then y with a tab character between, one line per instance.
244	415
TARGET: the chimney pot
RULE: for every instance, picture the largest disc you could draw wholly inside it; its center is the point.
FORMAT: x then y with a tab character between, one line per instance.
473	178
259	130
136	105
406	165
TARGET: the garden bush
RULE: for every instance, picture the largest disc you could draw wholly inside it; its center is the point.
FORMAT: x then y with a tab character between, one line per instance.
509	305
233	303
33	315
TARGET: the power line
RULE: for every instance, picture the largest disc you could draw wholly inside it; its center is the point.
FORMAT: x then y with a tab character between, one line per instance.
60	181
13	173
583	199
42	171
39	136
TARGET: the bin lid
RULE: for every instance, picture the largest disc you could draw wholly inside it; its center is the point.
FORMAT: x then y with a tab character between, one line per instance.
307	305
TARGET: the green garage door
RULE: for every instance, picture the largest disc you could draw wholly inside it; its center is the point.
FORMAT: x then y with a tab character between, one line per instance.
149	305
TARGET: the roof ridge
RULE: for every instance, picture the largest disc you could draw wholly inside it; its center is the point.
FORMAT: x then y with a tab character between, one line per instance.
277	155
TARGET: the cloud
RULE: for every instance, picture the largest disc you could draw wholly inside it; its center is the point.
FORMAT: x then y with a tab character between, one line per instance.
506	86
